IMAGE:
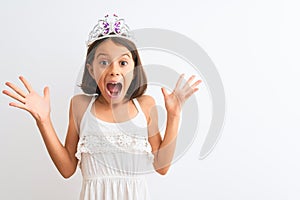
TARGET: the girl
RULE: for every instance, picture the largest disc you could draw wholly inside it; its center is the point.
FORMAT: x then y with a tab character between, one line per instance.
113	133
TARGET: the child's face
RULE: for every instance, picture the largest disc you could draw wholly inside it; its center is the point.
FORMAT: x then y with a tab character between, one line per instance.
113	70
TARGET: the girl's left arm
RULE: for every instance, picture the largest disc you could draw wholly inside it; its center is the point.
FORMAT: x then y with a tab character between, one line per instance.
163	149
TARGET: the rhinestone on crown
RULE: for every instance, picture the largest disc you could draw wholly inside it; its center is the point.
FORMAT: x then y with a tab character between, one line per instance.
108	27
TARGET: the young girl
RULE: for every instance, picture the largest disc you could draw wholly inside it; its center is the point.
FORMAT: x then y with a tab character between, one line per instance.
113	133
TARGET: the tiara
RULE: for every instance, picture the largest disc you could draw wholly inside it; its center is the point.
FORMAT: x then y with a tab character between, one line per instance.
108	27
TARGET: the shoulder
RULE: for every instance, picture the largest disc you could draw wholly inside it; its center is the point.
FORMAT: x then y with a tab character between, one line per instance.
146	101
147	104
81	98
79	104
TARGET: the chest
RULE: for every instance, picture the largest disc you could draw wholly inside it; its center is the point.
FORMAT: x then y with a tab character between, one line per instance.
115	114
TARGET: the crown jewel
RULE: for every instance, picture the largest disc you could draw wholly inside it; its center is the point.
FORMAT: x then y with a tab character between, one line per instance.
109	26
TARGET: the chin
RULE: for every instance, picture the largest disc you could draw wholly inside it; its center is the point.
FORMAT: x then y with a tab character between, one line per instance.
116	99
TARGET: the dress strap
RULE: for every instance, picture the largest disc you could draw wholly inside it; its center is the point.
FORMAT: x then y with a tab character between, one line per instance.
137	105
84	116
91	103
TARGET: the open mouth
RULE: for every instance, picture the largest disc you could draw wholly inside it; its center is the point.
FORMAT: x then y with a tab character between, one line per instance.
114	89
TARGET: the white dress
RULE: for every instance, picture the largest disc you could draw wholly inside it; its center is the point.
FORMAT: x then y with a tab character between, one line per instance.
114	157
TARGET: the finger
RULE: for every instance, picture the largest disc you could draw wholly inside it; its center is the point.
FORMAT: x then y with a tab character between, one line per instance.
187	84
191	92
14	96
196	84
192	89
164	91
17	105
179	81
46	93
26	84
16	89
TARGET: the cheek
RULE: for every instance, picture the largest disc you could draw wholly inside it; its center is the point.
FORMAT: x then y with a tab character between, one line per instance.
129	75
98	74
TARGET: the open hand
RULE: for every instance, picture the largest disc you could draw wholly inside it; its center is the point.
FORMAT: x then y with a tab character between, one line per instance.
38	106
176	99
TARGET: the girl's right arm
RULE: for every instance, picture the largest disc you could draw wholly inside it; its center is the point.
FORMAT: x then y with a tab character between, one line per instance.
63	156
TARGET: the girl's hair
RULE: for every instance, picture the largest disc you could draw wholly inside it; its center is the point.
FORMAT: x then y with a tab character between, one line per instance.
139	83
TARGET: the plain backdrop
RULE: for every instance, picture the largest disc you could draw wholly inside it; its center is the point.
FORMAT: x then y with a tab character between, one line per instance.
254	45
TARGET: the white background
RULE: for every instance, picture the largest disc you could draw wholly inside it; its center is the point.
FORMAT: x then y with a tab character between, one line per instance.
254	45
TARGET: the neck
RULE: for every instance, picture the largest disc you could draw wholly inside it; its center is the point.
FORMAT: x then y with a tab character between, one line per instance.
117	111
110	104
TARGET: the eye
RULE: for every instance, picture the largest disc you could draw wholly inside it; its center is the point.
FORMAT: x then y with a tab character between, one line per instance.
104	62
123	63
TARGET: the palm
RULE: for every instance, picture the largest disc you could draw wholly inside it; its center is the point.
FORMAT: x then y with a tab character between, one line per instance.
176	99
38	106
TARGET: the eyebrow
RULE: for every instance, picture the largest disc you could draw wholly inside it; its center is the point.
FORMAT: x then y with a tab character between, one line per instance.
104	54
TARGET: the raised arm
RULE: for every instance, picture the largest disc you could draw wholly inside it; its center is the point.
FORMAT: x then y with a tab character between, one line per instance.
163	149
63	156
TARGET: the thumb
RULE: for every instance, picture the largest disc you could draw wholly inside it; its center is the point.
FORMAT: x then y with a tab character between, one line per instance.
164	91
46	93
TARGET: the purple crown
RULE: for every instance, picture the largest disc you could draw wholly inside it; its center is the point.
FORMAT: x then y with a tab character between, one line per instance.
108	27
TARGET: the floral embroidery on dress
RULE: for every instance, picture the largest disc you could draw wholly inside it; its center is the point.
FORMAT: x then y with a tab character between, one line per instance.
121	142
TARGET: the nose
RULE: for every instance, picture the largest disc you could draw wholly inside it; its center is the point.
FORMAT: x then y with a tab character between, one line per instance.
114	69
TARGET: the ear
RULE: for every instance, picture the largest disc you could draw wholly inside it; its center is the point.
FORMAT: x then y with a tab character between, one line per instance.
91	70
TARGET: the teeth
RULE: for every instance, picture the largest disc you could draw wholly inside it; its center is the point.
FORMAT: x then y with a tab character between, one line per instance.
114	88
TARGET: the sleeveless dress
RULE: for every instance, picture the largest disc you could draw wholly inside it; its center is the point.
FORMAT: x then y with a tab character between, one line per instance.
114	157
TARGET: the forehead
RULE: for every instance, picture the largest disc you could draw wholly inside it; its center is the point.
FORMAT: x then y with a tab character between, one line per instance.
111	49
